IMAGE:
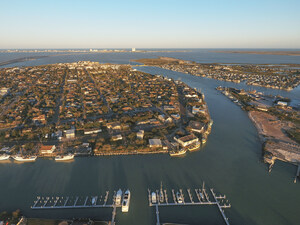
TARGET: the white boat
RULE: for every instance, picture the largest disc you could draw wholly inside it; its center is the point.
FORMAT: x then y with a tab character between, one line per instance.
119	197
64	157
201	195
153	198
126	201
178	152
4	157
94	200
179	197
24	158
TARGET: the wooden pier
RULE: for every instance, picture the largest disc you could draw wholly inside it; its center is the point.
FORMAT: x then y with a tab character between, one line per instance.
200	197
69	202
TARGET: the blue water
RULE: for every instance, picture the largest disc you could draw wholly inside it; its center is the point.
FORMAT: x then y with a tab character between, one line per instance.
230	162
197	55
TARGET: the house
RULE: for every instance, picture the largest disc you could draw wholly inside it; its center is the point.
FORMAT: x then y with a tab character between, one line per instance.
114	126
40	118
187	140
155	143
162	117
140	134
70	133
47	149
92	131
282	103
196	110
117	137
4	91
175	116
168	107
196	126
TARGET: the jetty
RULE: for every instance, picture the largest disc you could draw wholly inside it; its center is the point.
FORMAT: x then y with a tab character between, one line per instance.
198	197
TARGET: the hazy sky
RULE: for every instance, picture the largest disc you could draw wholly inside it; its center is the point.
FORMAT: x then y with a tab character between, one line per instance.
150	24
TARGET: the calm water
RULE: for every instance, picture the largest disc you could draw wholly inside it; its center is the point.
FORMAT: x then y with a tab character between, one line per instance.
198	55
230	162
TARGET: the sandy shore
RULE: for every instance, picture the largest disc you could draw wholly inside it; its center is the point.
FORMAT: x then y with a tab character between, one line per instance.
276	142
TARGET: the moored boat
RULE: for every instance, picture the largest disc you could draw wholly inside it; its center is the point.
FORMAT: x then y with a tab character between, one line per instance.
179	197
4	157
24	158
119	197
195	146
153	198
177	153
126	201
94	200
64	157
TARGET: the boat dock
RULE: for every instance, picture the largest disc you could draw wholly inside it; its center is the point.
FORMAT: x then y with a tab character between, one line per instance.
76	202
197	197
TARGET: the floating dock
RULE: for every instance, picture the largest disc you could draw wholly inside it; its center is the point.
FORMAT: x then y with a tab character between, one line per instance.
197	197
71	202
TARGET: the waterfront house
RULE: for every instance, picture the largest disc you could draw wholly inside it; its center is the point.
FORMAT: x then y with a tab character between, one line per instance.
282	103
155	143
47	149
70	133
140	134
186	140
196	126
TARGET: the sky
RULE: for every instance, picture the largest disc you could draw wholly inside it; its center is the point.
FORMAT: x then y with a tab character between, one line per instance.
149	24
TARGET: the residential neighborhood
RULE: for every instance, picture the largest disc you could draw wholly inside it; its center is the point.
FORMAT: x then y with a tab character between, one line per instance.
284	77
88	108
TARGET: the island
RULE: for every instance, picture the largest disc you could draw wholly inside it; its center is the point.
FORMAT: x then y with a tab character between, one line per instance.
277	121
284	77
87	108
262	52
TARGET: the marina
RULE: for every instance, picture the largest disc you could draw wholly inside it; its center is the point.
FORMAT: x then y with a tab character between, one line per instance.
199	197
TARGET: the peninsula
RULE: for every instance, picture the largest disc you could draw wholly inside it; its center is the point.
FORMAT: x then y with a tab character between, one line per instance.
277	122
88	108
284	77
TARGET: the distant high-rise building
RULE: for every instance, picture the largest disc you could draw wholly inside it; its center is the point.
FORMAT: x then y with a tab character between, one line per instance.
133	49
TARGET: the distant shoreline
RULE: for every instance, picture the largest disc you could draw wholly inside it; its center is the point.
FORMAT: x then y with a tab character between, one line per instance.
290	53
